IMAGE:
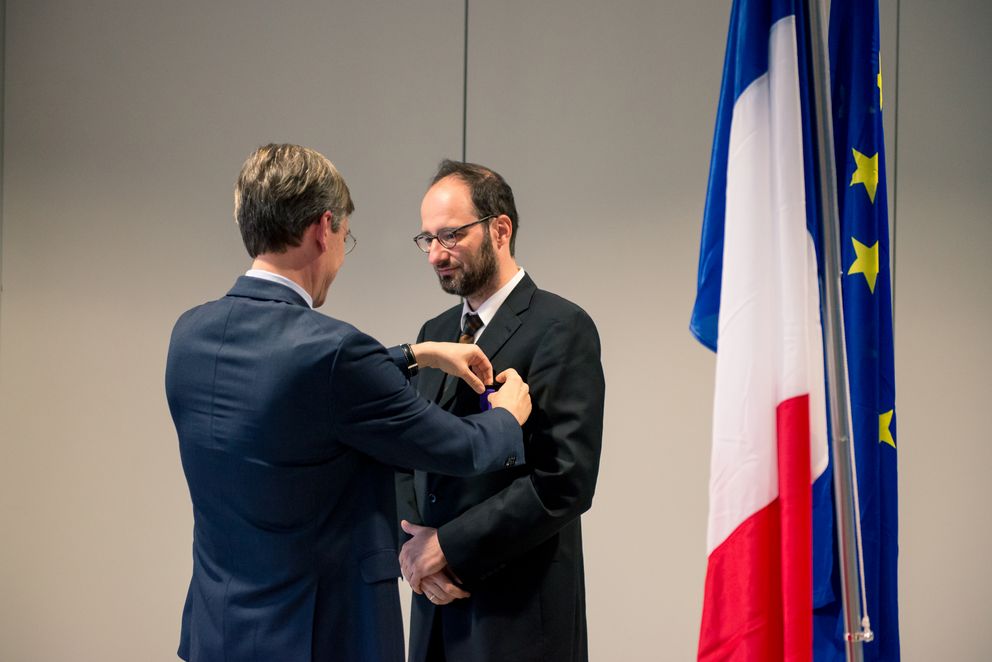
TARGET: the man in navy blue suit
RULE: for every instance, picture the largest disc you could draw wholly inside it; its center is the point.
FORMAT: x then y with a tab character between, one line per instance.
290	424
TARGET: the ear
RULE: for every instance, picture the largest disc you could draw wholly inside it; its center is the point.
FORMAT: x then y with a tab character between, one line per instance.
322	229
504	230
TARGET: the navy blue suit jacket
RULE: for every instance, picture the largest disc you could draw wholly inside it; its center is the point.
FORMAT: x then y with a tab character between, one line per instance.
287	420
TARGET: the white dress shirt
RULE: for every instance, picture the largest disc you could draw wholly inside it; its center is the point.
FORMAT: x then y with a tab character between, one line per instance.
282	280
487	309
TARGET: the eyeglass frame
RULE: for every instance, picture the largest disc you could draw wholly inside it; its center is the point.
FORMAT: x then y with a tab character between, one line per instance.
454	231
348	235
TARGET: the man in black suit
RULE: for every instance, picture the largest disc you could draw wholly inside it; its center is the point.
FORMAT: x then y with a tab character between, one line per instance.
496	561
287	420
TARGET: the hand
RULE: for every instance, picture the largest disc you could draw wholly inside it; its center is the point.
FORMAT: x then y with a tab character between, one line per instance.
441	589
421	555
513	396
463	360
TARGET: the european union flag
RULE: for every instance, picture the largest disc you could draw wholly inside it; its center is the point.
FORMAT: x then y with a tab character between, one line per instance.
866	285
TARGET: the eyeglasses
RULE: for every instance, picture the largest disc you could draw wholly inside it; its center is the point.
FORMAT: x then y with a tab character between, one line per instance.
349	242
447	237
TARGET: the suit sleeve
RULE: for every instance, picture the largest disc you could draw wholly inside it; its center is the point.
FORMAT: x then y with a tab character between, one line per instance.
375	410
407	507
564	437
398	358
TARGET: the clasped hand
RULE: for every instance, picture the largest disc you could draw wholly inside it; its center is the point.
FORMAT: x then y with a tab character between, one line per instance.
425	568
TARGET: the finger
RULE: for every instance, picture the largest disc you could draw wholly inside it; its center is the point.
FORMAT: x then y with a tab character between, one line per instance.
487	373
415	586
416	582
483	367
441	584
413	575
479	380
507	374
412	529
439	595
440	600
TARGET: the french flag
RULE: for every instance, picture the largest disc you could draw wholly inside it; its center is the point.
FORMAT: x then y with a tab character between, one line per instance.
758	307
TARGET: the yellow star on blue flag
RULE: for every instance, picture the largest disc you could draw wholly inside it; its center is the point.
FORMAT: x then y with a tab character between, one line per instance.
865	262
884	431
866	172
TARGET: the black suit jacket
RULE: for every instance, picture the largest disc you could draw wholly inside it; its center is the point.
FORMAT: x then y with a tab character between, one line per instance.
514	538
285	419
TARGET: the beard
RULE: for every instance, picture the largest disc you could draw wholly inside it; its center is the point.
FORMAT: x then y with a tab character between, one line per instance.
475	274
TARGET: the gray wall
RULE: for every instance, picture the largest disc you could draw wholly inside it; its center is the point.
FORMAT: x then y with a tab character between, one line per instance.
125	124
943	316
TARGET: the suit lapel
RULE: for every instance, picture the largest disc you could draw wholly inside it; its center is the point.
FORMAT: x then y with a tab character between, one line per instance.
507	320
500	329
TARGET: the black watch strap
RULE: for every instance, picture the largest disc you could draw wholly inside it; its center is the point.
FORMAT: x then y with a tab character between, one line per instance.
411	360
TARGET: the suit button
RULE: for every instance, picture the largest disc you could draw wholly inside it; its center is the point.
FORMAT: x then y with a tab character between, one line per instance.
432	498
510	461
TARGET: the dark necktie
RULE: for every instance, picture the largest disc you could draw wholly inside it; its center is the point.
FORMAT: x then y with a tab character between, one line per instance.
470	326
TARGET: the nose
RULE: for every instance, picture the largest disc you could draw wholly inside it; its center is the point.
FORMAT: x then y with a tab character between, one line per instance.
437	253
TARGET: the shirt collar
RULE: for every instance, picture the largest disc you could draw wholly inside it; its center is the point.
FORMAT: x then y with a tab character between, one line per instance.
282	280
487	309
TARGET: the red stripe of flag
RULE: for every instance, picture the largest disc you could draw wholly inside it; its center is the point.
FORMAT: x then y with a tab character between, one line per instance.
758	603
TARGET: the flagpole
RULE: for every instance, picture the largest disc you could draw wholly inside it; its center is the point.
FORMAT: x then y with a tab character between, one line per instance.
856	629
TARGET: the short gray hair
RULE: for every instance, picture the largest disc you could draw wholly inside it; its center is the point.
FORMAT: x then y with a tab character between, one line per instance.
281	191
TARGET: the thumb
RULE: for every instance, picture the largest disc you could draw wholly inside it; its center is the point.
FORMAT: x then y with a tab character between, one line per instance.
409	528
506	375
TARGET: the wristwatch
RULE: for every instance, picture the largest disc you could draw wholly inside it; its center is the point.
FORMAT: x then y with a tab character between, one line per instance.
411	360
